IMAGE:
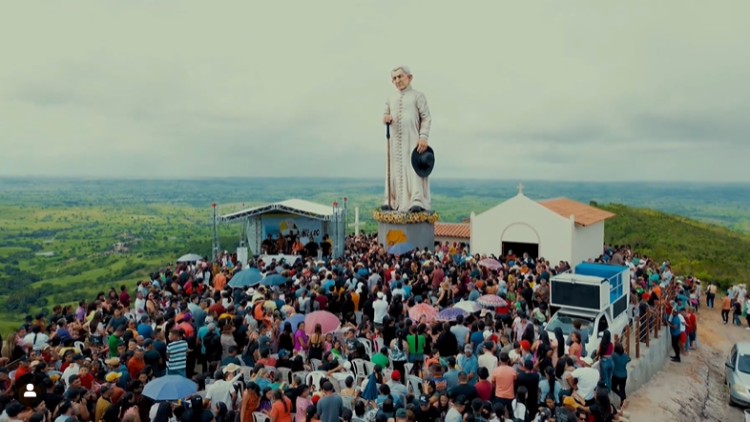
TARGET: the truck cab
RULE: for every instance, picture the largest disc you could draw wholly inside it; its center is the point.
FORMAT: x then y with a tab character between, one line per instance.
596	294
593	323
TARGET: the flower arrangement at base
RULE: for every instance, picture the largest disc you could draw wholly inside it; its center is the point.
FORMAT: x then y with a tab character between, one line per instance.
399	217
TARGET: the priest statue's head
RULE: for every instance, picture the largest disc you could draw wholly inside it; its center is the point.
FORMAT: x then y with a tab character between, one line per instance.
401	77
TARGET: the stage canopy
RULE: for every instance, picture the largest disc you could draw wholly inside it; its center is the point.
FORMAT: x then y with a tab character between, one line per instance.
290	206
298	218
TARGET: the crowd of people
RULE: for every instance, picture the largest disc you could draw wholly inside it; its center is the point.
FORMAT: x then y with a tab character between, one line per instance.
735	302
91	362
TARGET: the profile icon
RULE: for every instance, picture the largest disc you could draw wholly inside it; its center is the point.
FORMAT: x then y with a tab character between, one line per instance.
29	393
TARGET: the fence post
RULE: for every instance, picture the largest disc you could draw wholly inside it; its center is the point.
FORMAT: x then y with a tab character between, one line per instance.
638	338
628	336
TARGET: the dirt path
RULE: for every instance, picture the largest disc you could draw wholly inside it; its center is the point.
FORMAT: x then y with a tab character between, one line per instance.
694	389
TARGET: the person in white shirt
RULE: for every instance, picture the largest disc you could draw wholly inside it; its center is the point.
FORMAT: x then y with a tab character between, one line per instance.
455	413
487	359
518	406
586	379
380	306
36	339
140	305
72	369
223	390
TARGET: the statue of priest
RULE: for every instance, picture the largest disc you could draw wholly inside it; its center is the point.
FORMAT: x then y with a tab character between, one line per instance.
407	188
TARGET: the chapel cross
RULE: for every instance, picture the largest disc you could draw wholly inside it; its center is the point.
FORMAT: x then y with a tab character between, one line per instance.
520	188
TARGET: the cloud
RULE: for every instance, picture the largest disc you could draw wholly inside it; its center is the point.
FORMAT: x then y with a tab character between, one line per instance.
580	91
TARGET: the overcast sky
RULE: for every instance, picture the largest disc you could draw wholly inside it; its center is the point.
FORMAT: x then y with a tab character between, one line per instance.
650	90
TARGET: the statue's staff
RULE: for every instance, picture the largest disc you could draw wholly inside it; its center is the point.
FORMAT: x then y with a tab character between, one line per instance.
388	167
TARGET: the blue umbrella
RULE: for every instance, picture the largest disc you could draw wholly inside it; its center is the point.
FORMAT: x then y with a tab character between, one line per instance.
450	314
371	390
273	280
170	388
401	248
246	278
294	321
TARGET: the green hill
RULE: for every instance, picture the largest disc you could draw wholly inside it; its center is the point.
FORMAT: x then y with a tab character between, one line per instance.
709	252
84	263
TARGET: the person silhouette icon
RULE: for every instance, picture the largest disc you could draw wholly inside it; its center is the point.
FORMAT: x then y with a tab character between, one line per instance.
30	391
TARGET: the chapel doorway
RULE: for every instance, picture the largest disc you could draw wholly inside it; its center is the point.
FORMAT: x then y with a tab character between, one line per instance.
519	248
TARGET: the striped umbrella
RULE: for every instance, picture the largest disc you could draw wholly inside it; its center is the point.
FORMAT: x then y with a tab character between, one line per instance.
422	311
492	301
490	263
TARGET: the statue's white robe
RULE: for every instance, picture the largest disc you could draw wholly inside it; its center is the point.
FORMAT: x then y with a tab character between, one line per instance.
411	121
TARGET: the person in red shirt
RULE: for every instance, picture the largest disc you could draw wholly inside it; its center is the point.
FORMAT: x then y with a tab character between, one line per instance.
484	386
124	297
136	364
217	309
322	302
67	360
186	326
691	322
87	380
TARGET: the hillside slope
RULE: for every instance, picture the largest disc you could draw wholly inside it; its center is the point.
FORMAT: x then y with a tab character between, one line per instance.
709	252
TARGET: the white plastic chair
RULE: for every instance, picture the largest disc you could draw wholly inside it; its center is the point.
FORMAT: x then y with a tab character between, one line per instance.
361	370
348	402
380	343
286	374
79	345
260	417
415	385
408	367
301	374
368	345
270	369
336	384
313	379
316	363
247	371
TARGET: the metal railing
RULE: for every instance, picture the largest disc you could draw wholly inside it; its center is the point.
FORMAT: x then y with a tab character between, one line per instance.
645	327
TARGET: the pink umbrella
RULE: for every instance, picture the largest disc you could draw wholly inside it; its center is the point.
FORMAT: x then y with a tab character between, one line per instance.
492	301
422	311
328	322
490	263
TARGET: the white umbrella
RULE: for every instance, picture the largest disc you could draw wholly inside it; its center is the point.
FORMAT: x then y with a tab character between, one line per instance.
468	305
191	257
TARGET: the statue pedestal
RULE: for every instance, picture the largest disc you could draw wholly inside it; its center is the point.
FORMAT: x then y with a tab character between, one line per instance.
396	227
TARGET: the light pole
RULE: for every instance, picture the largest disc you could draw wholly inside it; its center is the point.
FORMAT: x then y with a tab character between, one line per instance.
346	216
335	237
215	241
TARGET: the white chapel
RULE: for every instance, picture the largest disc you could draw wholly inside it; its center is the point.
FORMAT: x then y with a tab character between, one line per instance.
556	229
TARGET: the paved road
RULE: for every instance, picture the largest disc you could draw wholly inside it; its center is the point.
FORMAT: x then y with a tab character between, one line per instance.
694	389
